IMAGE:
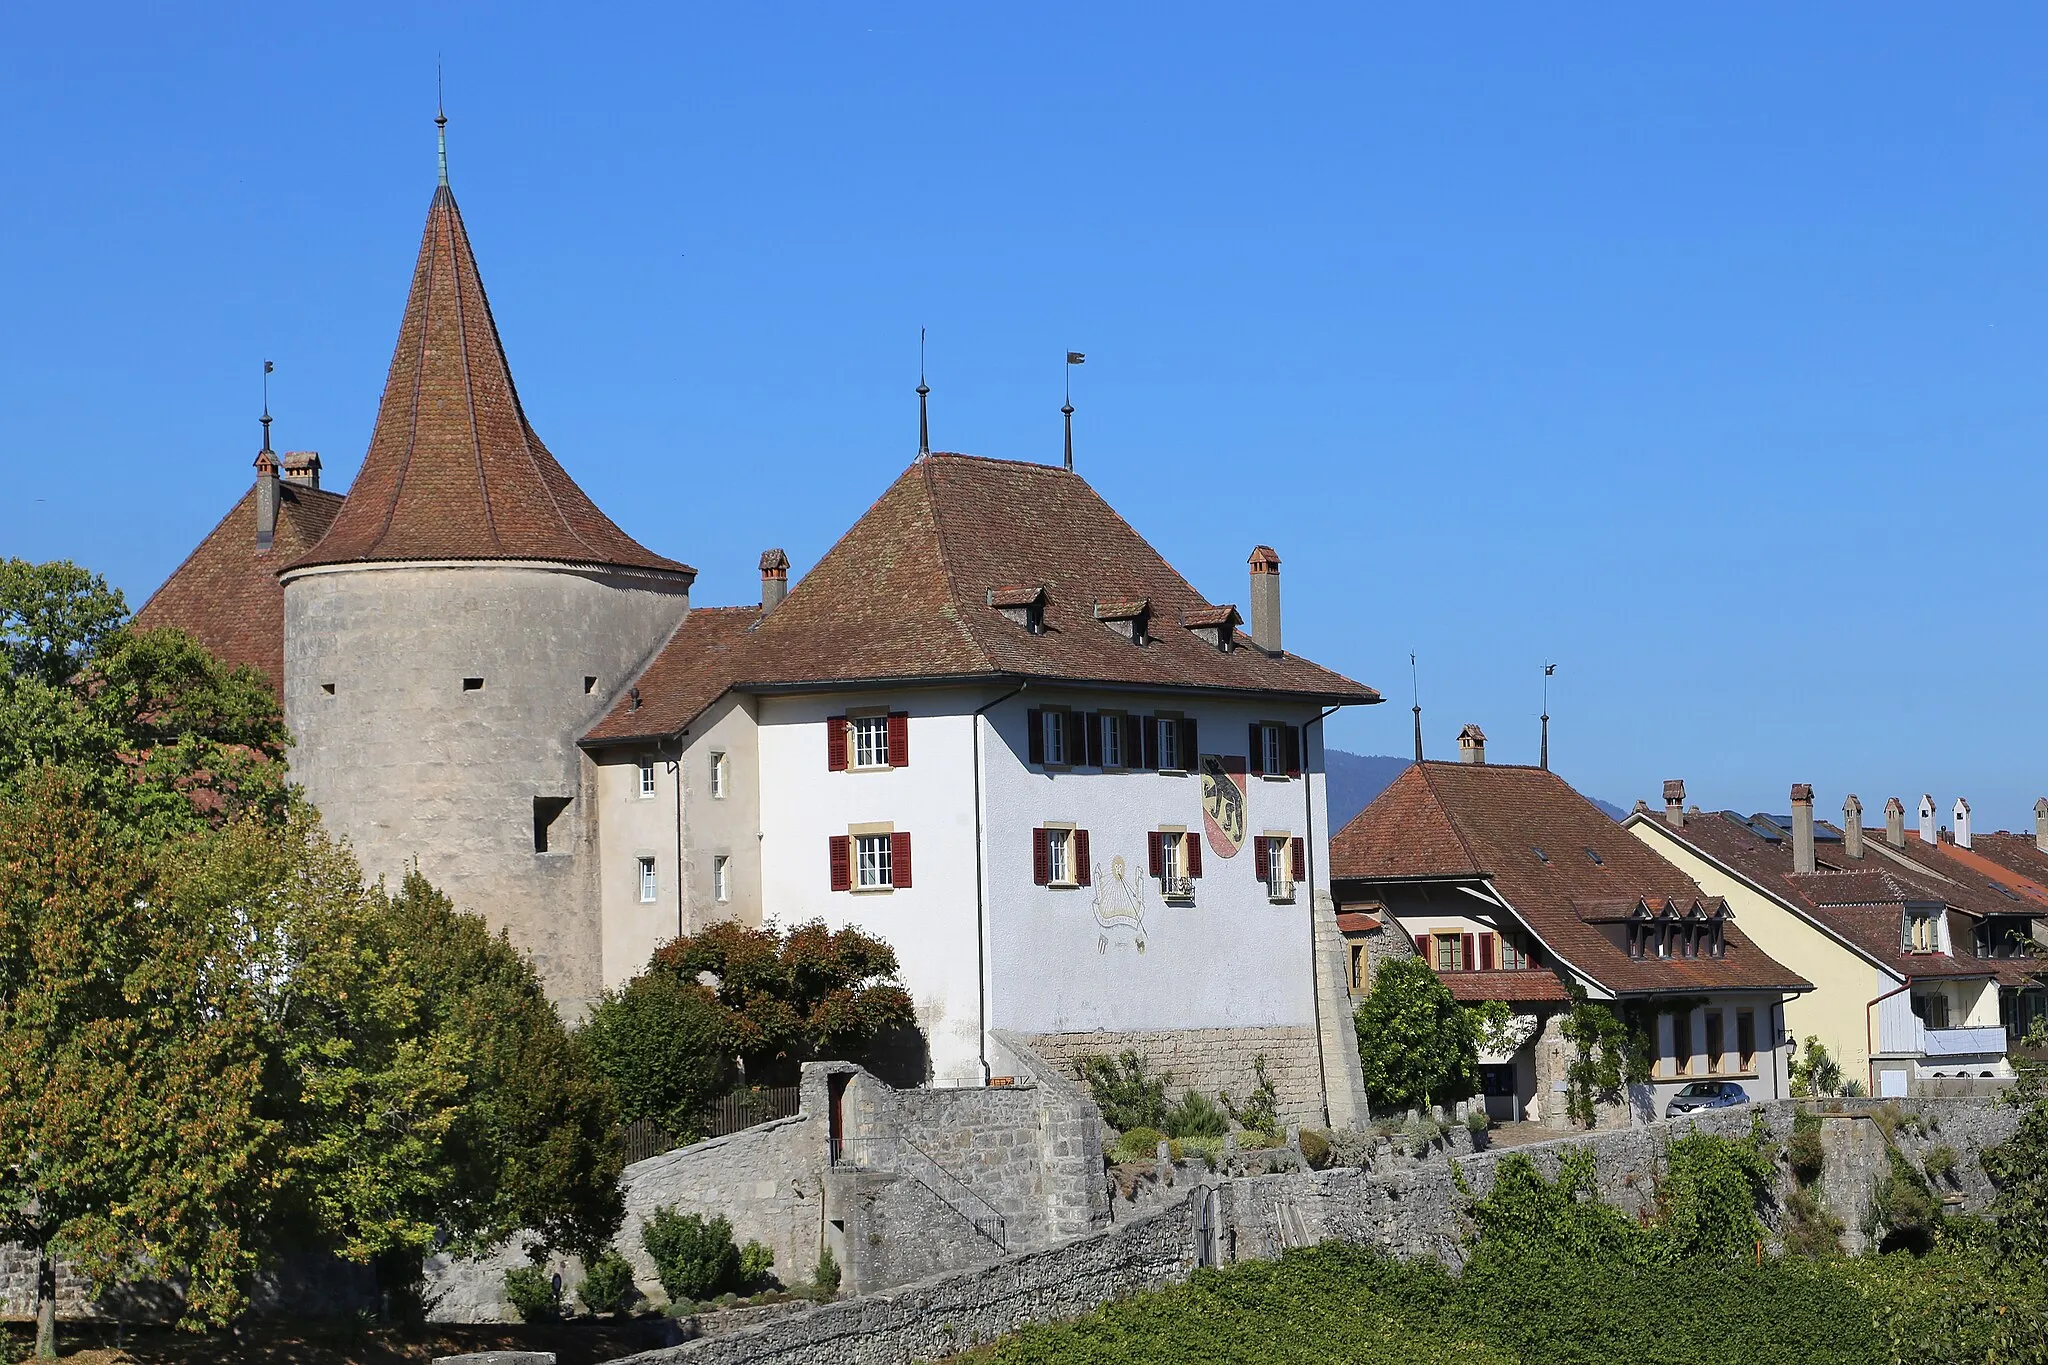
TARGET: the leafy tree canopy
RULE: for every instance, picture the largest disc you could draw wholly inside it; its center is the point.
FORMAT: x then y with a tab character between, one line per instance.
53	617
808	995
1417	1044
659	1041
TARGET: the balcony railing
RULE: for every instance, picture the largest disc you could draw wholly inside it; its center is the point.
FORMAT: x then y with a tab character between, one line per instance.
1900	1031
1177	888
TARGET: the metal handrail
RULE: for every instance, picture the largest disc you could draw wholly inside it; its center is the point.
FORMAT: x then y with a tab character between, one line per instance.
850	1151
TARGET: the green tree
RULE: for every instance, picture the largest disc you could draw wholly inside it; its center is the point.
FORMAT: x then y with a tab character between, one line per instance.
1418	1046
53	617
659	1041
2018	1167
1814	1072
131	1061
808	995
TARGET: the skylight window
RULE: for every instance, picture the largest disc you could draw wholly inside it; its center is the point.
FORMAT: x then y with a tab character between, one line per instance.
1598	861
1539	853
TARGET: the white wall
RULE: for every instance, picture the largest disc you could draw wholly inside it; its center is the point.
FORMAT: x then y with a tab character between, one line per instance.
631	827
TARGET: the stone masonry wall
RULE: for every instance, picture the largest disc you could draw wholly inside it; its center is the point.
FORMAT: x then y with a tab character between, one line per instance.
1212	1060
1410	1209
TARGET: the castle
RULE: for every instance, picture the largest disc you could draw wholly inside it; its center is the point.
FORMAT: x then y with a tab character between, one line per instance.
992	725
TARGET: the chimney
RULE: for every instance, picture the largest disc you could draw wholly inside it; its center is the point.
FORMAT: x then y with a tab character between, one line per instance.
1852	827
266	499
1894	822
1927	825
2041	824
1674	803
1266	599
1962	823
1472	745
1802	827
302	467
774	579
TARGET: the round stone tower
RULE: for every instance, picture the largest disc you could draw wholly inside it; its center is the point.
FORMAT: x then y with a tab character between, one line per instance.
468	615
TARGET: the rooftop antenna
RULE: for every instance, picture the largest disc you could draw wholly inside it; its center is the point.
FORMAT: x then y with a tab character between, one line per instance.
441	122
924	421
1073	358
1415	688
1544	761
267	368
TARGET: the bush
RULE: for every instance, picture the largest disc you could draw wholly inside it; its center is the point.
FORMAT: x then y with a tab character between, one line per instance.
1804	1152
1140	1144
1126	1095
1315	1149
659	1041
1478	1120
1196	1116
756	1263
1416	1043
1816	1073
607	1285
826	1279
1809	1229
1940	1163
1261	1109
694	1259
536	1295
1904	1212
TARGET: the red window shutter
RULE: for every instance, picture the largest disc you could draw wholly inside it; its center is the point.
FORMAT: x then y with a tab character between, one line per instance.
1034	721
1257	765
1297	859
1291	742
1471	952
1190	747
1262	857
899	860
1486	958
1155	848
840	855
835	744
1041	857
899	739
1084	871
1091	728
1194	843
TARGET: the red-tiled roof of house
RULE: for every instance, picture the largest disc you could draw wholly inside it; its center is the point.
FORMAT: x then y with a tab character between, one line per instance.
1547	850
1534	986
226	595
1862	905
904	596
454	471
1356	922
2017	858
694	669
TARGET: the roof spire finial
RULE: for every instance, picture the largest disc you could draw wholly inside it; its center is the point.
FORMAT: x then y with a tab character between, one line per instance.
267	368
924	423
441	123
1415	688
1548	669
1073	358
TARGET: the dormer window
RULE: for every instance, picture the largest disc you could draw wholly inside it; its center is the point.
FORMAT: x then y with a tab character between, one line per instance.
1021	606
1922	932
1130	617
1216	626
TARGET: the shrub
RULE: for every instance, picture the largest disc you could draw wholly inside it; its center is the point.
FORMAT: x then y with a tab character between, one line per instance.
1260	1112
1478	1120
1315	1149
659	1041
756	1263
1415	1041
694	1259
1804	1152
1815	1073
607	1285
1196	1116
1139	1144
1940	1163
1127	1096
1809	1229
827	1276
1854	1089
536	1295
1903	1211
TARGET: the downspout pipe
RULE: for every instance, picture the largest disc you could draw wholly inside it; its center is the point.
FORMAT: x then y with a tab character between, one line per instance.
1308	845
981	884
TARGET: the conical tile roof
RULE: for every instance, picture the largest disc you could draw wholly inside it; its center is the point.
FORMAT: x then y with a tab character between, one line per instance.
454	471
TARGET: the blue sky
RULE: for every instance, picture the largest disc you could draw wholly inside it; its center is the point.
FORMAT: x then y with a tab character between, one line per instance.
1700	352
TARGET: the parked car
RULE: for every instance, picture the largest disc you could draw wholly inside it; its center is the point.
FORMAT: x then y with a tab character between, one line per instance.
1705	1095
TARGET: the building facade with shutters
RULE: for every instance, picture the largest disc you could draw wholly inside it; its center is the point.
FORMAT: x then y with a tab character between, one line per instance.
992	726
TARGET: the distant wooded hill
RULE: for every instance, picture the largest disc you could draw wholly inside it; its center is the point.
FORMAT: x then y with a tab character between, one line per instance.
1355	779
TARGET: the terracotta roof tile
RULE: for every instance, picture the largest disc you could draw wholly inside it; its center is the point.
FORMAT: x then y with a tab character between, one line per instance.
693	670
226	595
454	471
1537	985
904	595
1547	850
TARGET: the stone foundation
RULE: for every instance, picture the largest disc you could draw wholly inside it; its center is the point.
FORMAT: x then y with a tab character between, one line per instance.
1212	1060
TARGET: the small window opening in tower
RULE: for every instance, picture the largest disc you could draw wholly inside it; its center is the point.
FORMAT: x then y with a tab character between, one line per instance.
472	684
546	810
589	682
328	688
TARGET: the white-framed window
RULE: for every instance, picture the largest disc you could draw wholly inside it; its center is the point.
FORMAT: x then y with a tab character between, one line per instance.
1059	856
871	861
718	775
1923	935
721	877
870	741
1055	723
1273	750
1279	881
646	778
1112	741
1169	745
650	886
1176	881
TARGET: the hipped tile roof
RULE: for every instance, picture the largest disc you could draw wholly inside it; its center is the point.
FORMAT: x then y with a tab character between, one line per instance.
1534	986
226	595
1476	820
904	596
454	471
